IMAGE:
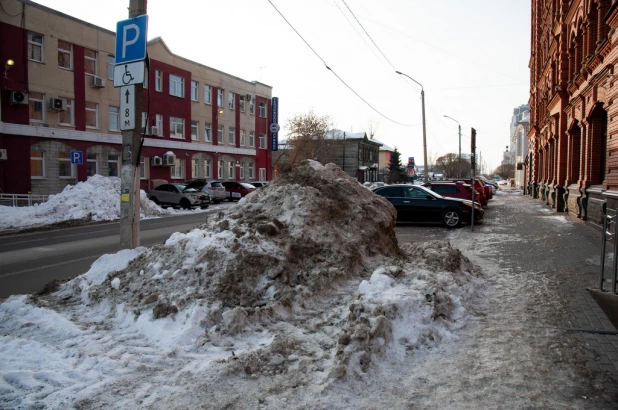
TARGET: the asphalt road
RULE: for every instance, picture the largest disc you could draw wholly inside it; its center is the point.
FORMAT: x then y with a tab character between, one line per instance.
29	261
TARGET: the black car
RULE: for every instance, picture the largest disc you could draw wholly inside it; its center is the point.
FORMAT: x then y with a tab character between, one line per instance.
415	203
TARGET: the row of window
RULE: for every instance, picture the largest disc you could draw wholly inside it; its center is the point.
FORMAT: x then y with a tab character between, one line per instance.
66	170
176	83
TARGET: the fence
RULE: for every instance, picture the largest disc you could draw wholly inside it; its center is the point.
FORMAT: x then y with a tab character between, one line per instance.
21	199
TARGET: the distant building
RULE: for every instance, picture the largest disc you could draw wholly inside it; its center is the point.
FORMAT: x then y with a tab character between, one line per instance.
59	98
520	125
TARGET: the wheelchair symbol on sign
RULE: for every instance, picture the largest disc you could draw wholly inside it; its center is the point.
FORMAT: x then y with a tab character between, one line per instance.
126	77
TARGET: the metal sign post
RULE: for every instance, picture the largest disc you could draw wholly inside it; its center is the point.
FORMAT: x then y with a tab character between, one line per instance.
473	163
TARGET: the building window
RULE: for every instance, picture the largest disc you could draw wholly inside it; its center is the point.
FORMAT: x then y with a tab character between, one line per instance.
158	80
208	168
65	168
177	171
159	124
35	47
241	170
230	169
207	94
37	164
177	86
252	106
65	55
114	118
90	62
207	133
241	104
230	135
220	135
243	138
195	133
262	140
111	62
231	100
177	127
195	168
92	164
36	106
220	169
66	117
220	97
251	139
112	165
142	168
262	110
92	115
251	173
194	90
262	174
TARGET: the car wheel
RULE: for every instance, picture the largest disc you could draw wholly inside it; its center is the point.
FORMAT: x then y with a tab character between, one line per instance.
185	204
217	202
451	218
204	206
155	200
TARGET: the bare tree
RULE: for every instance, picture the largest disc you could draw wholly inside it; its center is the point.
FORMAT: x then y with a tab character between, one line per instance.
307	138
451	166
505	171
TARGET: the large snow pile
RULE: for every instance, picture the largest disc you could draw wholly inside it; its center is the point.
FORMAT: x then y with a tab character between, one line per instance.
299	286
97	199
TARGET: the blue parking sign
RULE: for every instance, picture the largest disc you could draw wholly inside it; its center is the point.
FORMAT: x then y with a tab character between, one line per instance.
77	157
131	39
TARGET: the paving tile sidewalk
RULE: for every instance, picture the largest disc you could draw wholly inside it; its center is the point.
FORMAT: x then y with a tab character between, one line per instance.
567	252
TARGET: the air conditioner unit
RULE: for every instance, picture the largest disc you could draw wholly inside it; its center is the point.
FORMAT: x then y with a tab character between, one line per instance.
58	104
3	156
169	159
98	82
157	161
153	131
248	97
18	97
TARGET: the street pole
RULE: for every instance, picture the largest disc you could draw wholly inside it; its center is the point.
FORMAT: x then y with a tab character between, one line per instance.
129	176
424	131
459	158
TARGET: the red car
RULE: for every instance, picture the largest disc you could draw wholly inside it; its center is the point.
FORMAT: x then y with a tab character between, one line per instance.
451	189
236	190
481	194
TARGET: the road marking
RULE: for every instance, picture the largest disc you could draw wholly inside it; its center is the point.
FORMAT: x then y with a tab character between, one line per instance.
49	266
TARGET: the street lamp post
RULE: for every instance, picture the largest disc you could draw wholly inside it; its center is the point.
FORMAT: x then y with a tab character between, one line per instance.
424	133
459	159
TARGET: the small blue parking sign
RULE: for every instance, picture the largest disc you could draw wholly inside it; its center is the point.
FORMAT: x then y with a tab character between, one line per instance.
77	157
131	39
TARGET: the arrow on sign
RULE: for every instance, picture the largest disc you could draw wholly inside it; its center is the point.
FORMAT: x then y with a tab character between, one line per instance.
127	95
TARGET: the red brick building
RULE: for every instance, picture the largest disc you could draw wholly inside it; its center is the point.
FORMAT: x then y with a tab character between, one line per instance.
573	139
58	97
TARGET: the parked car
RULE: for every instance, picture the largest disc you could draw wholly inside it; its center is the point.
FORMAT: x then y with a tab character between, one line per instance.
178	195
236	190
259	184
416	203
451	189
480	190
214	189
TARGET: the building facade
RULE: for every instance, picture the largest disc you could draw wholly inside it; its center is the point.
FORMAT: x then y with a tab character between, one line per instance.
572	136
520	125
58	97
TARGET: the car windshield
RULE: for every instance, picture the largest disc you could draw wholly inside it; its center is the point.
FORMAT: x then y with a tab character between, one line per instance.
180	187
247	186
216	185
186	190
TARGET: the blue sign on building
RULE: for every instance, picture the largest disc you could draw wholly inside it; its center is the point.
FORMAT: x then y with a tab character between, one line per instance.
77	157
274	124
131	39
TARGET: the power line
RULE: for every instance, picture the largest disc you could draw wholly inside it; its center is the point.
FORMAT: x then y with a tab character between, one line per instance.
331	70
356	30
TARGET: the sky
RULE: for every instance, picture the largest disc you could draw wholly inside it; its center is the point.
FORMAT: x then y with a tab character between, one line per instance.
470	57
269	305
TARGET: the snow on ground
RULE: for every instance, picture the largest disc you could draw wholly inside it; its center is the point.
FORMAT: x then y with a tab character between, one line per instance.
298	291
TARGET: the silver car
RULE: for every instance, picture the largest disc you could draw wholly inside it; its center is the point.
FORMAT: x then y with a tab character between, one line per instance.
214	189
178	195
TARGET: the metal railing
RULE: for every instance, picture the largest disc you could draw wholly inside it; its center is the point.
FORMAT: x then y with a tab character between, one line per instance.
608	235
21	199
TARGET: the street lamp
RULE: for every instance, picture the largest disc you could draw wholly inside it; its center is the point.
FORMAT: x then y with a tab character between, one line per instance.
459	160
424	133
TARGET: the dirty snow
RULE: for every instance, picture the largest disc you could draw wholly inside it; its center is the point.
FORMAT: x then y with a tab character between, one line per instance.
96	199
285	300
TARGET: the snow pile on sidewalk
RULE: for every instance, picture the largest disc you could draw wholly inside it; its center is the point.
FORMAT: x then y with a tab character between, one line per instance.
97	199
299	286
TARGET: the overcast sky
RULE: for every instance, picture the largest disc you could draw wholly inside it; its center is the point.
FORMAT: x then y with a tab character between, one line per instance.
470	56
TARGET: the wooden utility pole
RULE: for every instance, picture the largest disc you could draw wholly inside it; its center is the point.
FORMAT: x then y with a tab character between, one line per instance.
130	172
